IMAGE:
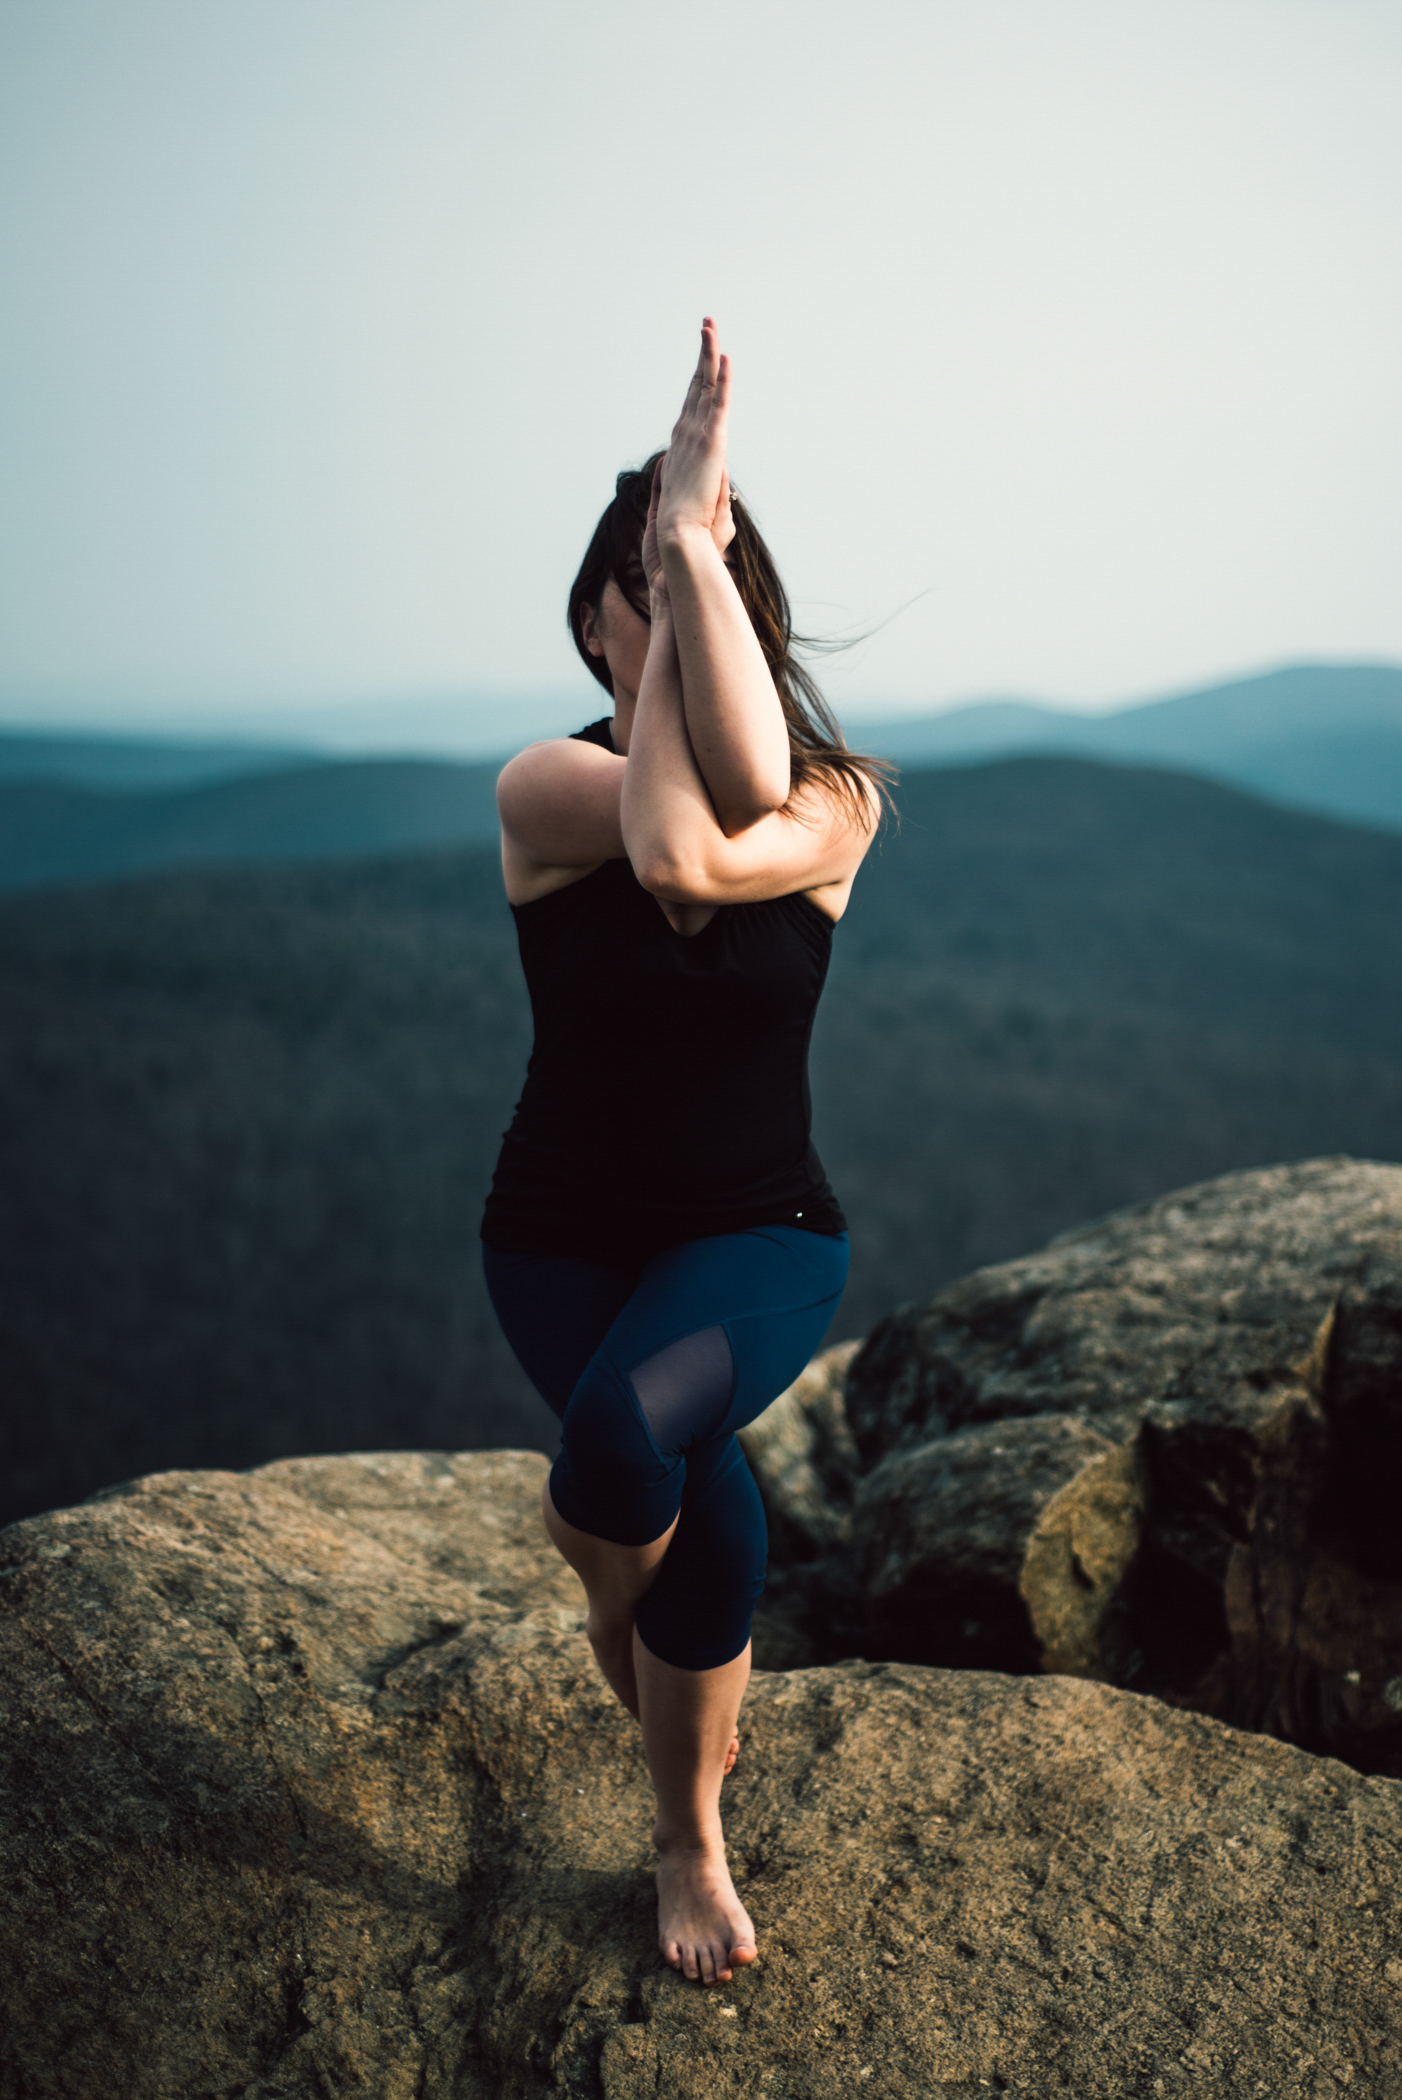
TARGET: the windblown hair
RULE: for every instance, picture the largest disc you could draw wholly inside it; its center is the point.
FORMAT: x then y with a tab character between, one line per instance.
818	750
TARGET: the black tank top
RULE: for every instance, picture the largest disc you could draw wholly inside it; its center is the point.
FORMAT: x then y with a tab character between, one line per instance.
666	1097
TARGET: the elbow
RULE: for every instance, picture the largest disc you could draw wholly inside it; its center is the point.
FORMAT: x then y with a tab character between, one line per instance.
750	803
741	816
666	875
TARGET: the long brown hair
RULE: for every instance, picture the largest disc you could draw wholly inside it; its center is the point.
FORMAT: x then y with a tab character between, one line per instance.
817	748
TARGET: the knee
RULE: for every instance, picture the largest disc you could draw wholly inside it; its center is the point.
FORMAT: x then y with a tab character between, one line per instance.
610	1479
697	1613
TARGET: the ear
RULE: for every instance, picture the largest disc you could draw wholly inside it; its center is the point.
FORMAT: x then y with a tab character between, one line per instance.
589	628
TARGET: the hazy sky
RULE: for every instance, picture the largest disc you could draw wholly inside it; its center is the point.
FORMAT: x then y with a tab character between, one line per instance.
326	324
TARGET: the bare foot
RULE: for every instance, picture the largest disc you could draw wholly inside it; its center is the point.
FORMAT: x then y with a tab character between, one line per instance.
612	1643
703	1928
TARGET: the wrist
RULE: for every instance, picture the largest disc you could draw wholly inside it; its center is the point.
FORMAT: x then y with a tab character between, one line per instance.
684	540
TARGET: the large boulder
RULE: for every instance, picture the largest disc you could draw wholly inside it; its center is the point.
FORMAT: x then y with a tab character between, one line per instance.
1163	1452
308	1786
803	1456
943	1531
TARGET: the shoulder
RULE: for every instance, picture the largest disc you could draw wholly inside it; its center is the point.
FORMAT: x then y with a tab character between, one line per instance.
560	762
559	804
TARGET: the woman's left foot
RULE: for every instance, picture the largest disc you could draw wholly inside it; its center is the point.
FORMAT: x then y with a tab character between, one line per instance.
703	1928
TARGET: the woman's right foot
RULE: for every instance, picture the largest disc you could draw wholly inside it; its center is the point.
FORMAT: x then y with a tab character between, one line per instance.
703	1928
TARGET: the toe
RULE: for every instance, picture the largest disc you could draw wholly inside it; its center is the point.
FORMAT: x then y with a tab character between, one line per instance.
690	1965
743	1951
706	1957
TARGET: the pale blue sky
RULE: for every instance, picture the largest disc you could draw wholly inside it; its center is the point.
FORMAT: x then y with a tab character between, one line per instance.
326	325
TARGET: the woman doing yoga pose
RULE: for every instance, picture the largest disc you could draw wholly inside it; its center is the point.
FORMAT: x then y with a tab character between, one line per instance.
661	1245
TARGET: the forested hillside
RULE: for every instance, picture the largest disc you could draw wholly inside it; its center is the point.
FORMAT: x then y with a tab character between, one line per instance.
248	1117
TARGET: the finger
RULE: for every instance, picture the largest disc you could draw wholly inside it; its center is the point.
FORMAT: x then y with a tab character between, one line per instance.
718	418
703	378
711	357
723	532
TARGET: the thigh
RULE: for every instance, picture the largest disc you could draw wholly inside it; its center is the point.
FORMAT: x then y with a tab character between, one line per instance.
717	1327
554	1310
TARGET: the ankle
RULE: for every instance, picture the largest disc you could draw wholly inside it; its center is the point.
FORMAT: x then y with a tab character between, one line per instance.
689	1842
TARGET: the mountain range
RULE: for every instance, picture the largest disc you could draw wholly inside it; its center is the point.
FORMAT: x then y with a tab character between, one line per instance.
1324	737
248	1115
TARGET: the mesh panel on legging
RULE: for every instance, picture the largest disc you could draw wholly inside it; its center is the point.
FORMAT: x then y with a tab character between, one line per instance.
684	1390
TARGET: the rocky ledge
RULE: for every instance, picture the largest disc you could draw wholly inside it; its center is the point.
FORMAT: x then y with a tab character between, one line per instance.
309	1788
1164	1453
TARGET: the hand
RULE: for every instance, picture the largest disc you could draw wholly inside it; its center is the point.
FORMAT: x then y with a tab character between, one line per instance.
723	524
693	489
652	559
722	532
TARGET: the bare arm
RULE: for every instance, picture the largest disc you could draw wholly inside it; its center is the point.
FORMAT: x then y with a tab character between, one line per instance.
558	804
672	836
735	722
702	806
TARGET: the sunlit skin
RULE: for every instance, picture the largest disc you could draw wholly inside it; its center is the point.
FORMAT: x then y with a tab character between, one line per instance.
697	795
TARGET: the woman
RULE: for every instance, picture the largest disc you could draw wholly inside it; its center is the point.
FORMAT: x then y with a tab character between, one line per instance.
661	1246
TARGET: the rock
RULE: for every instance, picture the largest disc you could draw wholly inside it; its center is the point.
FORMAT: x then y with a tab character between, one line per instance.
942	1531
1235	1546
1218	1290
308	1787
803	1457
1074	1568
805	1462
474	1517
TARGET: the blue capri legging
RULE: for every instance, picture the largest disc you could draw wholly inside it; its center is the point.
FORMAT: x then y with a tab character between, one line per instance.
651	1371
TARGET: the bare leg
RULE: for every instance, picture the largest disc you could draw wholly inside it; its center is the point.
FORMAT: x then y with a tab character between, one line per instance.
689	1719
616	1579
689	1735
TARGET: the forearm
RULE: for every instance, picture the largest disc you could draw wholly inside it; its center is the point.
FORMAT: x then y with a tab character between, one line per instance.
670	832
669	824
734	721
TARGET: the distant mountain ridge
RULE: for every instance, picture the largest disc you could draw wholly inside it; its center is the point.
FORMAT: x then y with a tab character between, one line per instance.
87	759
1325	737
54	832
250	1115
1320	737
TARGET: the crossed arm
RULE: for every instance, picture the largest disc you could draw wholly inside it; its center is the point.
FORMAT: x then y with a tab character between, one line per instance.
701	805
